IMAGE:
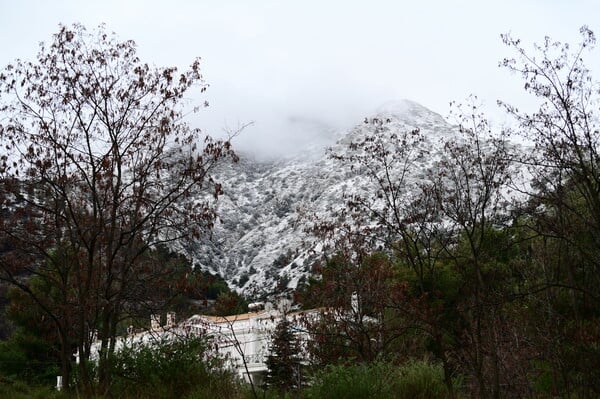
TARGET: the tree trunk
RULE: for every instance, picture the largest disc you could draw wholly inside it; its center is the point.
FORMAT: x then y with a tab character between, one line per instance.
65	361
447	374
103	357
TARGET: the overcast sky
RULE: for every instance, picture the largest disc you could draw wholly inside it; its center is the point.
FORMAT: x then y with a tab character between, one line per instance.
297	67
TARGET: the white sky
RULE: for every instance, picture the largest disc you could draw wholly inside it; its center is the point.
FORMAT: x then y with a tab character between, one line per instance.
318	63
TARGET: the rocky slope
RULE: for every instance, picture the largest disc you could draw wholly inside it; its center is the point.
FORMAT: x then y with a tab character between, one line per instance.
260	245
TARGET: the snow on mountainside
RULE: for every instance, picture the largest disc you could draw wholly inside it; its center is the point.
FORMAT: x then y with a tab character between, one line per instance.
261	245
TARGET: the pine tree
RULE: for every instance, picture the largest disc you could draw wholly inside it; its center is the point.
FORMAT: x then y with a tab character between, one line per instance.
284	361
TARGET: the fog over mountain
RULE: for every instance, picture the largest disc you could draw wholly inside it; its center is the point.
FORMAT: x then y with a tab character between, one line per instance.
297	69
261	245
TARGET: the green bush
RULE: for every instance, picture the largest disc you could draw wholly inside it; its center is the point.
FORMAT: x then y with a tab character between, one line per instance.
220	385
20	390
176	368
380	380
360	381
421	380
13	360
27	358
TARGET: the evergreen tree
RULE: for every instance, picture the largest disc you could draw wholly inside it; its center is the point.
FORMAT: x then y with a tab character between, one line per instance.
284	360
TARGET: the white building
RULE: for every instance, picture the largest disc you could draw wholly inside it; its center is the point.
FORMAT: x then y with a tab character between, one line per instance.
243	340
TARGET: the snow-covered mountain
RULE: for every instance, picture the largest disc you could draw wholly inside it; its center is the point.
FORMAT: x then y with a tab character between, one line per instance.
260	244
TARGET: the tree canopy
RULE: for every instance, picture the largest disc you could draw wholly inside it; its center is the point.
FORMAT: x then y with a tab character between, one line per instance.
98	166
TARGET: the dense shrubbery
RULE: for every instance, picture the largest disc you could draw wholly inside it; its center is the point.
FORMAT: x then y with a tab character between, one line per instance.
379	380
178	368
27	358
163	371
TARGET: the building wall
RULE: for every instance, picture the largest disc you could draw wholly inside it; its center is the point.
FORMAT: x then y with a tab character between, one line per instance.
235	338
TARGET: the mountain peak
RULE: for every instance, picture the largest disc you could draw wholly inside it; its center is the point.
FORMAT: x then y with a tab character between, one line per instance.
407	111
262	245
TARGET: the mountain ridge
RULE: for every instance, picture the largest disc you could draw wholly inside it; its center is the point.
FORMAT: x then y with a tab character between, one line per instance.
260	246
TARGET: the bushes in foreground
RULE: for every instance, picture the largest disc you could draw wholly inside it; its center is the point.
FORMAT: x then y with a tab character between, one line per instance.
380	380
184	368
20	390
177	368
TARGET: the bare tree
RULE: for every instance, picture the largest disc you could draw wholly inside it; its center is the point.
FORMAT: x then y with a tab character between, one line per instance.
99	164
399	289
355	298
470	183
565	161
564	207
